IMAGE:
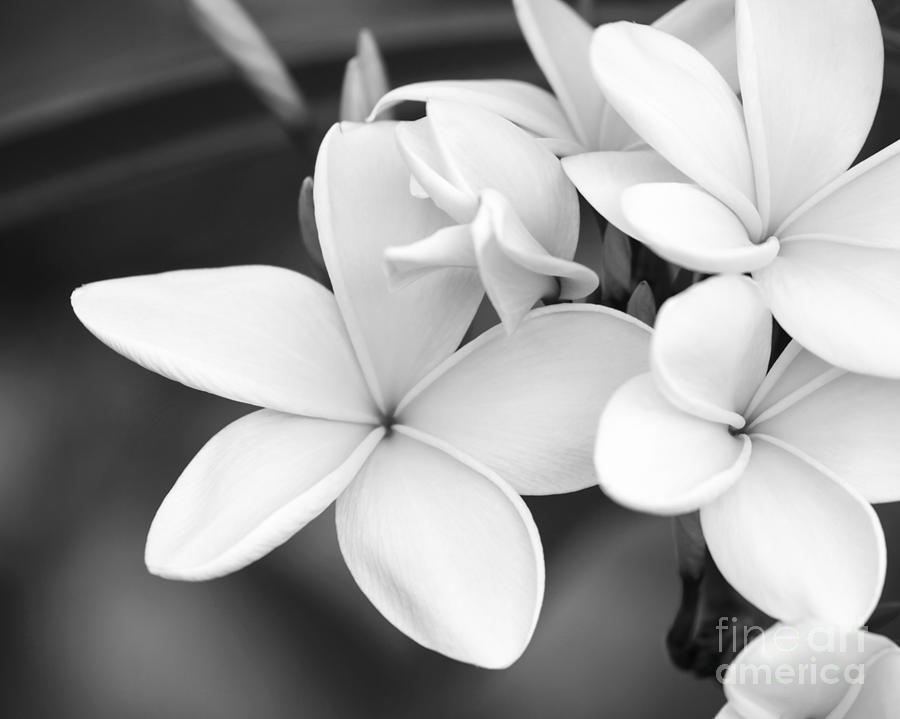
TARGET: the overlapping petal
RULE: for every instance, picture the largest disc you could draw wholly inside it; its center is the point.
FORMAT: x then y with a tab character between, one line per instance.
682	107
250	488
793	647
445	550
448	247
652	457
711	346
261	335
527	405
530	107
515	268
560	40
796	542
481	150
840	301
707	25
603	178
431	175
795	371
811	73
363	205
879	695
688	226
858	208
850	425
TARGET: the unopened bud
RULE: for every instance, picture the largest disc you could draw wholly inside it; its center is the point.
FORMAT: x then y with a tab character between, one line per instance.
615	269
642	304
309	233
365	80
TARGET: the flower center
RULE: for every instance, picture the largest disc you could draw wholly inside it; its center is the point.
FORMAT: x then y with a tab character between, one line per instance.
387	420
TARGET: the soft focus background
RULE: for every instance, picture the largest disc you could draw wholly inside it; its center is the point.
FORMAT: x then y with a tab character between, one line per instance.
127	147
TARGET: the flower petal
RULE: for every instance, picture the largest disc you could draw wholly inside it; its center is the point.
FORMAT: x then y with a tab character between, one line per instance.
602	177
483	151
811	74
858	208
681	106
711	346
840	301
729	712
530	107
448	247
686	225
431	177
515	268
559	39
526	405
445	551
363	205
849	425
879	695
652	457
252	486
707	25
793	372
814	689
261	335
796	542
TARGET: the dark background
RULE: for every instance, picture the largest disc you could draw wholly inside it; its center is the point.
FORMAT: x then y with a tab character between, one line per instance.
127	147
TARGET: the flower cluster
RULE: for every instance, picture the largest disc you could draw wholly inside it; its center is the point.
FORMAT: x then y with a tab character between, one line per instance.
719	139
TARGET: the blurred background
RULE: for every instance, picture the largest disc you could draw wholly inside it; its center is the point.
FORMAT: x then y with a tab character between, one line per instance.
128	146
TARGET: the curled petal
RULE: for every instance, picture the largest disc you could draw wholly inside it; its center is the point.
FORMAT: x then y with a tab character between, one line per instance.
530	107
515	268
483	151
711	348
252	486
526	404
682	107
652	457
363	206
448	247
811	73
431	176
445	551
261	335
840	301
795	541
688	226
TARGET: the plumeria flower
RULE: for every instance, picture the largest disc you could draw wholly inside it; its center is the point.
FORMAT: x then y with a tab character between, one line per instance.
813	671
517	213
577	119
781	465
762	185
368	402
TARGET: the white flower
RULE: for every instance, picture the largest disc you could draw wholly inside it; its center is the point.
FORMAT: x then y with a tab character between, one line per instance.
814	671
423	448
578	118
517	211
782	465
762	186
